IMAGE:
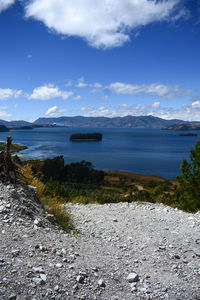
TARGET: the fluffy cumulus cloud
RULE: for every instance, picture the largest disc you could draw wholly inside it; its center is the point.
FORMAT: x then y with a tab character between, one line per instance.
159	90
4	4
9	93
54	111
47	92
105	23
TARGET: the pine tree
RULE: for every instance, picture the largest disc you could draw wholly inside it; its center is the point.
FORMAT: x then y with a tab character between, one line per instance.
188	192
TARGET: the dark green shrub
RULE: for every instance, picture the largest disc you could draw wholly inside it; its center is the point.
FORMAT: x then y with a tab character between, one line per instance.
55	188
187	195
143	196
52	168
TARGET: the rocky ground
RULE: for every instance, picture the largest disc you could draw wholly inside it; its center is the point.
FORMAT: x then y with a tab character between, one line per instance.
121	251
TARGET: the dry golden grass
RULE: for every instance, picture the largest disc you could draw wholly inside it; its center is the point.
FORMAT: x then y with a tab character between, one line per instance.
52	204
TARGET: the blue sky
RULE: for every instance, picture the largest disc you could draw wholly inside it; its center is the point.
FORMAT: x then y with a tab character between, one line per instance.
99	58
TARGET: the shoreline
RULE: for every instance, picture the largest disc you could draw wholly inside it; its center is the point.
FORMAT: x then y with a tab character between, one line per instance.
15	148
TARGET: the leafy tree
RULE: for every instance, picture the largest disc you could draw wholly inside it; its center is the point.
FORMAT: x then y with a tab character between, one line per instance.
80	172
188	192
52	168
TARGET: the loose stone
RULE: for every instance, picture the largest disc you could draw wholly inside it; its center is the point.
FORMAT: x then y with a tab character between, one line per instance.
132	277
101	283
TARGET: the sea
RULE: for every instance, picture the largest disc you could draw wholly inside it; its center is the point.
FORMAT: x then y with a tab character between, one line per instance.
143	151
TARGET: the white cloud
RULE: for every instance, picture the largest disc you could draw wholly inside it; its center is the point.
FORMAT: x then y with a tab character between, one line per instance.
9	93
185	112
196	104
78	97
159	90
47	92
4	4
81	83
105	23
101	108
156	105
97	85
54	111
4	115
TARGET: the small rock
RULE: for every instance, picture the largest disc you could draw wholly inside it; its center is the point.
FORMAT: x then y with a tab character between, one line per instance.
71	267
132	277
133	284
63	251
101	283
143	290
42	248
134	289
43	277
38	280
80	279
2	208
162	248
12	297
56	288
38	269
59	265
65	259
37	222
33	188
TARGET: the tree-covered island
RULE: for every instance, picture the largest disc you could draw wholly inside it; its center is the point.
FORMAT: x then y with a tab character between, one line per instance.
78	137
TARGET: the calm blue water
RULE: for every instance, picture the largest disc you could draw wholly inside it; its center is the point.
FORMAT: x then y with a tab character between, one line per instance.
145	151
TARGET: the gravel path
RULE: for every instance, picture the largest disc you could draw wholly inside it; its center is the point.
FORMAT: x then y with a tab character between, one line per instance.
123	251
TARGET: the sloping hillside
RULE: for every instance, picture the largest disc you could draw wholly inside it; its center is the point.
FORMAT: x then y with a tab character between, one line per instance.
121	251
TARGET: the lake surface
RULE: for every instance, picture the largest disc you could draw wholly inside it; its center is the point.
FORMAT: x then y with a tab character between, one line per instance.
144	151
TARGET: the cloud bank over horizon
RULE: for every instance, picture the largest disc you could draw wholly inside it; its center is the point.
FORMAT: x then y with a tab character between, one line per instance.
155	93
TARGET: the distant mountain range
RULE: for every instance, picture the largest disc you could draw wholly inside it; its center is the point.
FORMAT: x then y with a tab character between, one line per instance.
117	122
10	124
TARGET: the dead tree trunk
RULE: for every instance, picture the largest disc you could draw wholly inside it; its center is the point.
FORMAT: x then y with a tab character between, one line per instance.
7	167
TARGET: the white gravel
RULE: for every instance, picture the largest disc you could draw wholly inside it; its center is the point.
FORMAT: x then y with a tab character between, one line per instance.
160	245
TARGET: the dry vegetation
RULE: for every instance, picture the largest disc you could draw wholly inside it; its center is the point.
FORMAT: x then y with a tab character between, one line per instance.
14	147
53	204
